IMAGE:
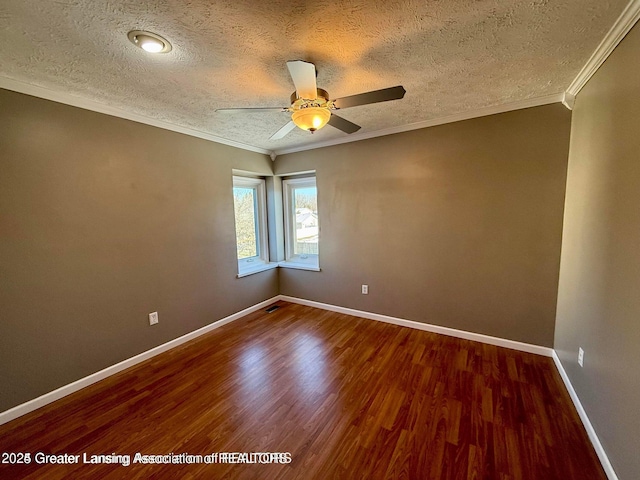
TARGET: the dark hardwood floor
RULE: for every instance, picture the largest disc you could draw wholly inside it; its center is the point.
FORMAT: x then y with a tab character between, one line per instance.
348	398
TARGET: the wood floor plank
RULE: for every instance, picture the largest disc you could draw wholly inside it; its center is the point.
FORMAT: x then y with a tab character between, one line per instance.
348	398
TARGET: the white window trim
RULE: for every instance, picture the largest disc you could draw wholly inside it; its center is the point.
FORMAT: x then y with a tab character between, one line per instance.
302	262
299	266
260	262
256	268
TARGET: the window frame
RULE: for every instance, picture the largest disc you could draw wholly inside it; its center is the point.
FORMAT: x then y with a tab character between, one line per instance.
293	260
259	262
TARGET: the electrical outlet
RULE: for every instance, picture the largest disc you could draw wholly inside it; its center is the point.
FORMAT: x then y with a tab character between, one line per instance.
153	318
365	289
581	357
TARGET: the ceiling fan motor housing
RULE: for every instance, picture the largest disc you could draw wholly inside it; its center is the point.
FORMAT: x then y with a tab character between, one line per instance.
323	96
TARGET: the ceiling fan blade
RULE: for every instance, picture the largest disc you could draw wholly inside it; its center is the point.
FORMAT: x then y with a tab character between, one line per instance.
303	75
283	131
384	95
251	110
341	124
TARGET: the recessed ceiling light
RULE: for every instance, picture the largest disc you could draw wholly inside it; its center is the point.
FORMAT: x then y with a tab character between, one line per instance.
149	42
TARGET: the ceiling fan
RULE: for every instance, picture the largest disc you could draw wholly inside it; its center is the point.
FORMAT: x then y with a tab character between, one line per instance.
311	107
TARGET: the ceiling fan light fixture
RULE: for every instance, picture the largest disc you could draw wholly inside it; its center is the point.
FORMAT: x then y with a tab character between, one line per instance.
311	118
311	107
149	42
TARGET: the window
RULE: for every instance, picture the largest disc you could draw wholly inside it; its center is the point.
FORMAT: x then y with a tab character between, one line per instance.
251	225
302	230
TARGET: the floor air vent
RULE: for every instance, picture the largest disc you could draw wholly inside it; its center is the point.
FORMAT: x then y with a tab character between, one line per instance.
272	308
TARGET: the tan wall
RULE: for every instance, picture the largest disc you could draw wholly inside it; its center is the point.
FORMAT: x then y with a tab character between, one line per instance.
103	221
599	295
456	225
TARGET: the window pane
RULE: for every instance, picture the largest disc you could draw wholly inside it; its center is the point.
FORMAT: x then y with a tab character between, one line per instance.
305	204
244	202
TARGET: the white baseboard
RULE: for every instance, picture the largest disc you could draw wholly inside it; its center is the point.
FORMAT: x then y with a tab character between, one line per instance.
500	342
452	332
602	455
65	390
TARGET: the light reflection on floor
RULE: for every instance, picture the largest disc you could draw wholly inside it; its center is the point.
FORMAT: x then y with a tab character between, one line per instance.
253	370
306	361
309	363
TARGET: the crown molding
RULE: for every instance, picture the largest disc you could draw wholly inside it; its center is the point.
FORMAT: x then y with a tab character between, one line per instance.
74	101
481	112
568	100
620	28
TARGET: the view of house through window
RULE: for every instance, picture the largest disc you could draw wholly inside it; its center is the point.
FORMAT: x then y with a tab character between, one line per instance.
306	211
302	230
301	227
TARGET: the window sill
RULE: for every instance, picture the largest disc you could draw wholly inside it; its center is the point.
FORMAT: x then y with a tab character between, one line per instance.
259	267
300	266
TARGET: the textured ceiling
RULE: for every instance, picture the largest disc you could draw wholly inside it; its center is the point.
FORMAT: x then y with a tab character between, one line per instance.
452	56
